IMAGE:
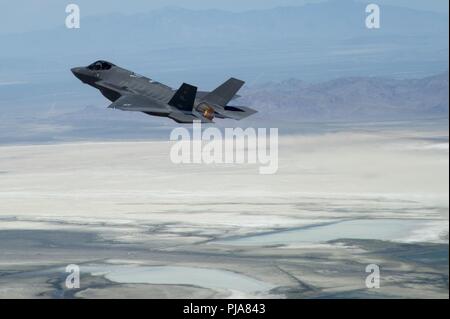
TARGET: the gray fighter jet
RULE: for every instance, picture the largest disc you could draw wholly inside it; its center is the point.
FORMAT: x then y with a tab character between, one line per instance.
133	92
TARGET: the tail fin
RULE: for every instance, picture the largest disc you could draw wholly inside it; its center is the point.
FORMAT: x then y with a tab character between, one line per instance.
184	97
224	93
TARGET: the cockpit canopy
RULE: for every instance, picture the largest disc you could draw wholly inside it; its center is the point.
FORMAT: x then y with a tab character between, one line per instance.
100	65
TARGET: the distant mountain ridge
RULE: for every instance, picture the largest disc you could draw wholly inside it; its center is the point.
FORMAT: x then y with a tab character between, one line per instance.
288	105
335	20
355	98
316	41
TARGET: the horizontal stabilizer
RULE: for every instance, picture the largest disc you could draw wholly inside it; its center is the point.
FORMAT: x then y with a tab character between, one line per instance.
236	112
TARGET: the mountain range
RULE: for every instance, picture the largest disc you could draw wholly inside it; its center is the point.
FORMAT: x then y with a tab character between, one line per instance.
314	42
289	105
355	98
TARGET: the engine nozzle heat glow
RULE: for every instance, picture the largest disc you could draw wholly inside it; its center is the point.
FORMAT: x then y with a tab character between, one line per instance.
206	110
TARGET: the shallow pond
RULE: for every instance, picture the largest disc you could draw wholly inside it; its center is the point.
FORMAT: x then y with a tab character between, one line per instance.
382	229
175	275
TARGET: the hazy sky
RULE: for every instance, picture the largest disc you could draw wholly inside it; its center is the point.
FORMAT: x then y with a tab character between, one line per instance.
26	15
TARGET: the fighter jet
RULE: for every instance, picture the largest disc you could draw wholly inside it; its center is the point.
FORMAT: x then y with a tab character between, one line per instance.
130	91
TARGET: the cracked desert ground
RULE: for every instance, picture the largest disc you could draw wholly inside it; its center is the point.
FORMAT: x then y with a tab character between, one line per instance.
139	226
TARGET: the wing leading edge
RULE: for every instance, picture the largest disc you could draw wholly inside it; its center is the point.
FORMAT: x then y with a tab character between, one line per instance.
139	104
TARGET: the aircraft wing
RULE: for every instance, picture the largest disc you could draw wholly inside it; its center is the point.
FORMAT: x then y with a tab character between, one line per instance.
113	87
139	104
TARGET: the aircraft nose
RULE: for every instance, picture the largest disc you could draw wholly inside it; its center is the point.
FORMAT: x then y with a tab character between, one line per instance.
75	71
84	75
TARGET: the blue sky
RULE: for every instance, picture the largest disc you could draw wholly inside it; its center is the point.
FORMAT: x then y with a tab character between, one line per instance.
28	15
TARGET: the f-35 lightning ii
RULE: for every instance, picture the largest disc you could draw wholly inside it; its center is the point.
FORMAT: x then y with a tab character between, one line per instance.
133	92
